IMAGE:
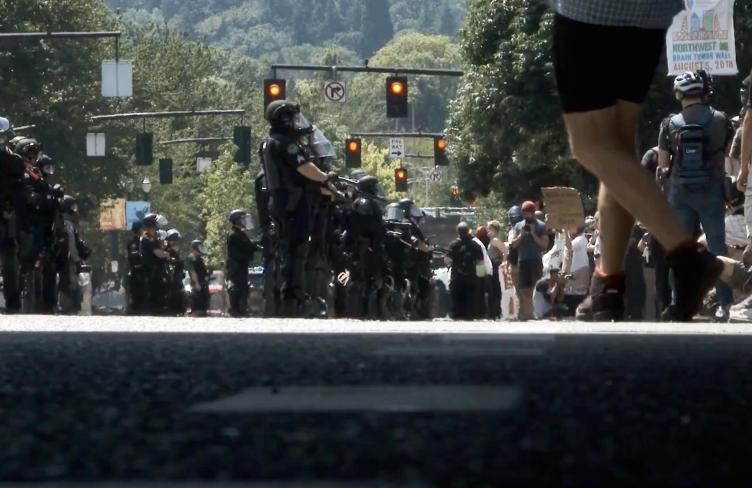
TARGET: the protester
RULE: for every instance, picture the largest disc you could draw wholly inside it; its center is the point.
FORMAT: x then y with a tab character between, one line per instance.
497	251
530	242
465	257
601	104
548	296
576	268
634	275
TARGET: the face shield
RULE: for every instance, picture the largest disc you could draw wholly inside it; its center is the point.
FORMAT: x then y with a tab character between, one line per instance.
394	212
246	222
321	147
301	125
161	235
201	249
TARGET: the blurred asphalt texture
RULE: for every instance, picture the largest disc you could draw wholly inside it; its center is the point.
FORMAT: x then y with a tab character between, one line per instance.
589	409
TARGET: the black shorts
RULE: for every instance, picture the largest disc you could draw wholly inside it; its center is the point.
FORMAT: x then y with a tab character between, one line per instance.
529	271
597	65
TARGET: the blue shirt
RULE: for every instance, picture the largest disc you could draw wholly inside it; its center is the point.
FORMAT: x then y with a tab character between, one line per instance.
528	248
645	14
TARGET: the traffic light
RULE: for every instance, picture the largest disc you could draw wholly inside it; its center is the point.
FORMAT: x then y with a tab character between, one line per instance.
352	153
400	179
439	151
274	90
241	136
396	97
144	145
455	191
165	171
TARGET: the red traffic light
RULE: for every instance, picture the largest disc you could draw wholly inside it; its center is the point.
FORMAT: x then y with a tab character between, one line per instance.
353	146
274	90
397	87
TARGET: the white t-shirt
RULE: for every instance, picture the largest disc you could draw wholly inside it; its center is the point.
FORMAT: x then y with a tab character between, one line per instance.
579	253
486	260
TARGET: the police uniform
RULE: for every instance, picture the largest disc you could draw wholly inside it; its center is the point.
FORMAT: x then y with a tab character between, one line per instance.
288	207
137	291
200	297
240	252
154	274
12	168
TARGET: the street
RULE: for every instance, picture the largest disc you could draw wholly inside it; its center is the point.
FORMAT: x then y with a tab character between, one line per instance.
203	402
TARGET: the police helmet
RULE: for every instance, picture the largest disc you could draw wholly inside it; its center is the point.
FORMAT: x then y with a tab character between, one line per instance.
69	204
369	184
149	221
411	209
27	147
237	215
357	174
14	141
394	212
173	235
6	131
46	164
198	245
161	234
280	111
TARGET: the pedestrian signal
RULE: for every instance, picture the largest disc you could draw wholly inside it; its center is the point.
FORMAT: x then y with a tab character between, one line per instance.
353	153
274	90
396	97
400	179
241	136
455	191
144	145
165	171
439	151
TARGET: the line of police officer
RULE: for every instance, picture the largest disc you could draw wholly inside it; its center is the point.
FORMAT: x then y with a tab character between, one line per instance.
156	271
328	249
41	252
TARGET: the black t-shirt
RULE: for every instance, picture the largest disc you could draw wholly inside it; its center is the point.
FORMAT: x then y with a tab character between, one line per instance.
465	254
147	246
197	265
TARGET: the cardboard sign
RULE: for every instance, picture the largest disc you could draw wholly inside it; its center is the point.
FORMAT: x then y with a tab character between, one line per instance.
112	215
563	208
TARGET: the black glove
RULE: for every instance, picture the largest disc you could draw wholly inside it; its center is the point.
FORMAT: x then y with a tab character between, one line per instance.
331	177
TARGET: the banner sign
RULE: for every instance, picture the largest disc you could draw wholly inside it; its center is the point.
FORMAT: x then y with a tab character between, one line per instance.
702	37
135	211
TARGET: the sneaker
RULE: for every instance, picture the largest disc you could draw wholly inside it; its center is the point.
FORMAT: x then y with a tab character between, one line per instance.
696	271
605	303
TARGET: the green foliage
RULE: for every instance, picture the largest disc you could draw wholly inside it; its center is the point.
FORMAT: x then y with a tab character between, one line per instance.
225	187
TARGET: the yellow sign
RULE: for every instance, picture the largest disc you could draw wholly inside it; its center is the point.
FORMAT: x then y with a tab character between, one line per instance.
112	215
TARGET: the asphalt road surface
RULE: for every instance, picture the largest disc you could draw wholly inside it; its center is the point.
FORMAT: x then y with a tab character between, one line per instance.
214	402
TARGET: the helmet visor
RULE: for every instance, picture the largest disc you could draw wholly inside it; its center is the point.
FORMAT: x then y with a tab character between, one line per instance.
394	212
321	147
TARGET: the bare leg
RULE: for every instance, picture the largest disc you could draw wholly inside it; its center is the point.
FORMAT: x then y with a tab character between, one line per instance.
599	142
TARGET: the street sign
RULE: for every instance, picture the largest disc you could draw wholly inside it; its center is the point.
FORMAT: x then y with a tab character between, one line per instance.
117	78
95	144
335	91
436	175
396	148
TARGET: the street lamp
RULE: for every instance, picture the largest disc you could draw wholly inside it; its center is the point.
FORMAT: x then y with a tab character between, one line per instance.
146	185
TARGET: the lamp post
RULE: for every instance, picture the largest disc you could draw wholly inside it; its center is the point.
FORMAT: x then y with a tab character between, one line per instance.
146	186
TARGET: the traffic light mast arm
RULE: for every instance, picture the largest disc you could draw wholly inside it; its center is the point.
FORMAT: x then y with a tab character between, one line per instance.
397	134
368	69
196	140
157	115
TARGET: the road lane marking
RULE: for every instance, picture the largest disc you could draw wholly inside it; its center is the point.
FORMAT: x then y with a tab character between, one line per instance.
385	399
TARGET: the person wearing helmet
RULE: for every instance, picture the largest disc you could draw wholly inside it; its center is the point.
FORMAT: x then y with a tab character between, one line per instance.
290	166
175	270
12	168
531	240
71	254
419	263
153	261
240	251
692	146
137	286
199	279
601	105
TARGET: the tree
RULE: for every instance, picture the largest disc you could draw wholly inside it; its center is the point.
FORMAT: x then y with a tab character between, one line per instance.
376	26
506	134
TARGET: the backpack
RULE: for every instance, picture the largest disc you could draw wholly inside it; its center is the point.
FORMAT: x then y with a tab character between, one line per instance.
693	168
466	263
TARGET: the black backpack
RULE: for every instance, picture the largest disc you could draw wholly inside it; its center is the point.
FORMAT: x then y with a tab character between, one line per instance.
465	265
692	159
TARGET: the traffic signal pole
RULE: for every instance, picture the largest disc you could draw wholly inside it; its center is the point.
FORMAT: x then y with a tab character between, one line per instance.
162	115
367	69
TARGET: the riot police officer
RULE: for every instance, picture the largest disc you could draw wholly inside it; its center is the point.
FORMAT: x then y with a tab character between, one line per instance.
240	251
153	261
12	168
199	276
287	167
72	252
419	269
175	271
366	241
137	294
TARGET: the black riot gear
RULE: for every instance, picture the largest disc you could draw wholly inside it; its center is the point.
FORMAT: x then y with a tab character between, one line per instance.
6	131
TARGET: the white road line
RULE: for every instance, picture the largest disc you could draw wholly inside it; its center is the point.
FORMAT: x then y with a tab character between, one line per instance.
385	399
462	350
161	325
